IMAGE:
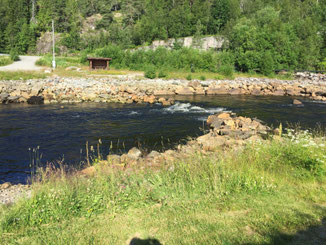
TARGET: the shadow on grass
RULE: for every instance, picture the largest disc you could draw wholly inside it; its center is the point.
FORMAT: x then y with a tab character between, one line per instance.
138	241
312	235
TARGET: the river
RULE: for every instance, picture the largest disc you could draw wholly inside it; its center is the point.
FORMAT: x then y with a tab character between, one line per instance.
53	133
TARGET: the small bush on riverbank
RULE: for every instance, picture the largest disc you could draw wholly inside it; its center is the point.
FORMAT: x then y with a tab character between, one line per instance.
226	70
249	195
14	56
5	60
162	74
150	72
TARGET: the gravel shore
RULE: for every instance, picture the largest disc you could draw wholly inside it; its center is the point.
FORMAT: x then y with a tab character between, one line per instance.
126	89
9	194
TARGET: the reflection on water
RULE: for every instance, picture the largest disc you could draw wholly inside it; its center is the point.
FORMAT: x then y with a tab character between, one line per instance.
62	133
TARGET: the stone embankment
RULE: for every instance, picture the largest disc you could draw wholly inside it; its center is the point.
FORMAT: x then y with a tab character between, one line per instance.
130	90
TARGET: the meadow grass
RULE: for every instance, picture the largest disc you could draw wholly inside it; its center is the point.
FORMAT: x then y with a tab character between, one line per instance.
21	75
85	72
261	193
64	62
5	60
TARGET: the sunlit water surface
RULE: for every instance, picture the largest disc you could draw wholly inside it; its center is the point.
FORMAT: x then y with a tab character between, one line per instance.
61	134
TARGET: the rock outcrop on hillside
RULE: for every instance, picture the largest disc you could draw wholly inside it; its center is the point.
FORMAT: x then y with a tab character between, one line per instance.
44	44
203	43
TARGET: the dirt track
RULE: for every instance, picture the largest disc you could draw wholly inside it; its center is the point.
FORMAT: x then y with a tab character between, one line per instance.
26	63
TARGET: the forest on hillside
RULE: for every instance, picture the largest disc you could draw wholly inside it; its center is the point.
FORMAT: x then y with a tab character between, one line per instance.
278	34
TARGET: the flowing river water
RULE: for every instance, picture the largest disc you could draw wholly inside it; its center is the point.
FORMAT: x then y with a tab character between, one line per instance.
52	133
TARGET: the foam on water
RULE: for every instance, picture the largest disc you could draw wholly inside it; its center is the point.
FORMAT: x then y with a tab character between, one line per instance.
132	113
188	108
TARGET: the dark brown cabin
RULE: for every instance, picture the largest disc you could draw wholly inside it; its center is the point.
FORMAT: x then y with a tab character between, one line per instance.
99	63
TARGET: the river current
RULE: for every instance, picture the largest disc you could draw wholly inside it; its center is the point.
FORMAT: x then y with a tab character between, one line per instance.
52	133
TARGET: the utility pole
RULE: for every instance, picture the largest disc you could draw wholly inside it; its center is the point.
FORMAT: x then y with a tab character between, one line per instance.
33	19
53	61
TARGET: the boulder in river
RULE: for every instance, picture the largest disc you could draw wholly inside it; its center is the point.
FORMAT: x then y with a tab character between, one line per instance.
35	100
297	102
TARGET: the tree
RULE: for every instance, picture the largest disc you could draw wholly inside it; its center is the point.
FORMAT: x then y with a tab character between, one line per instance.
219	16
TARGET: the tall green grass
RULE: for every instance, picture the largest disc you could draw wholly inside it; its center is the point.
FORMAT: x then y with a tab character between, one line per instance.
21	75
252	194
62	62
5	60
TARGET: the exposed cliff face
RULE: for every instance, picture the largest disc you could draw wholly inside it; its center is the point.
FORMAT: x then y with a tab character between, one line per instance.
44	43
204	43
88	31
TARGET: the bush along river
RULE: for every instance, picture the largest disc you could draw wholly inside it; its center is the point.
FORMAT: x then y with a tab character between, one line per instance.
52	133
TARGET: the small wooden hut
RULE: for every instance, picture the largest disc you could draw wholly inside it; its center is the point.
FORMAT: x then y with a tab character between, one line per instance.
99	63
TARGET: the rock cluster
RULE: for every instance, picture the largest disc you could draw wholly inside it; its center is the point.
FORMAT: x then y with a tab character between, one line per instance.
310	76
226	129
130	90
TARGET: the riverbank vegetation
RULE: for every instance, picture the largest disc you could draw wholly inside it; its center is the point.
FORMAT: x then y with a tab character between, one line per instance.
261	193
260	35
5	60
185	63
21	75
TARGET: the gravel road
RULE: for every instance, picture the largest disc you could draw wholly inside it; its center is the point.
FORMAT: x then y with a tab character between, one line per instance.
26	63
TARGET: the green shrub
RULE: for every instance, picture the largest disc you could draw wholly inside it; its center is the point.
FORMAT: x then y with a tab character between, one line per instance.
41	62
226	70
192	68
162	74
150	72
189	77
322	65
83	58
5	60
267	64
14	55
202	77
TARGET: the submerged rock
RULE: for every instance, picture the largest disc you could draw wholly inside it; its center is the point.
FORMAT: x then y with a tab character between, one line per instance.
297	102
36	100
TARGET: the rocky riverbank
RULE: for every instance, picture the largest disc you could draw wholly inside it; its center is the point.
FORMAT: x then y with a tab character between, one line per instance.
225	131
12	193
130	90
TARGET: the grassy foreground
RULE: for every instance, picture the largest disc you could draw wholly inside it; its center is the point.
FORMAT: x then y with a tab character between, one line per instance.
263	193
21	75
5	60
